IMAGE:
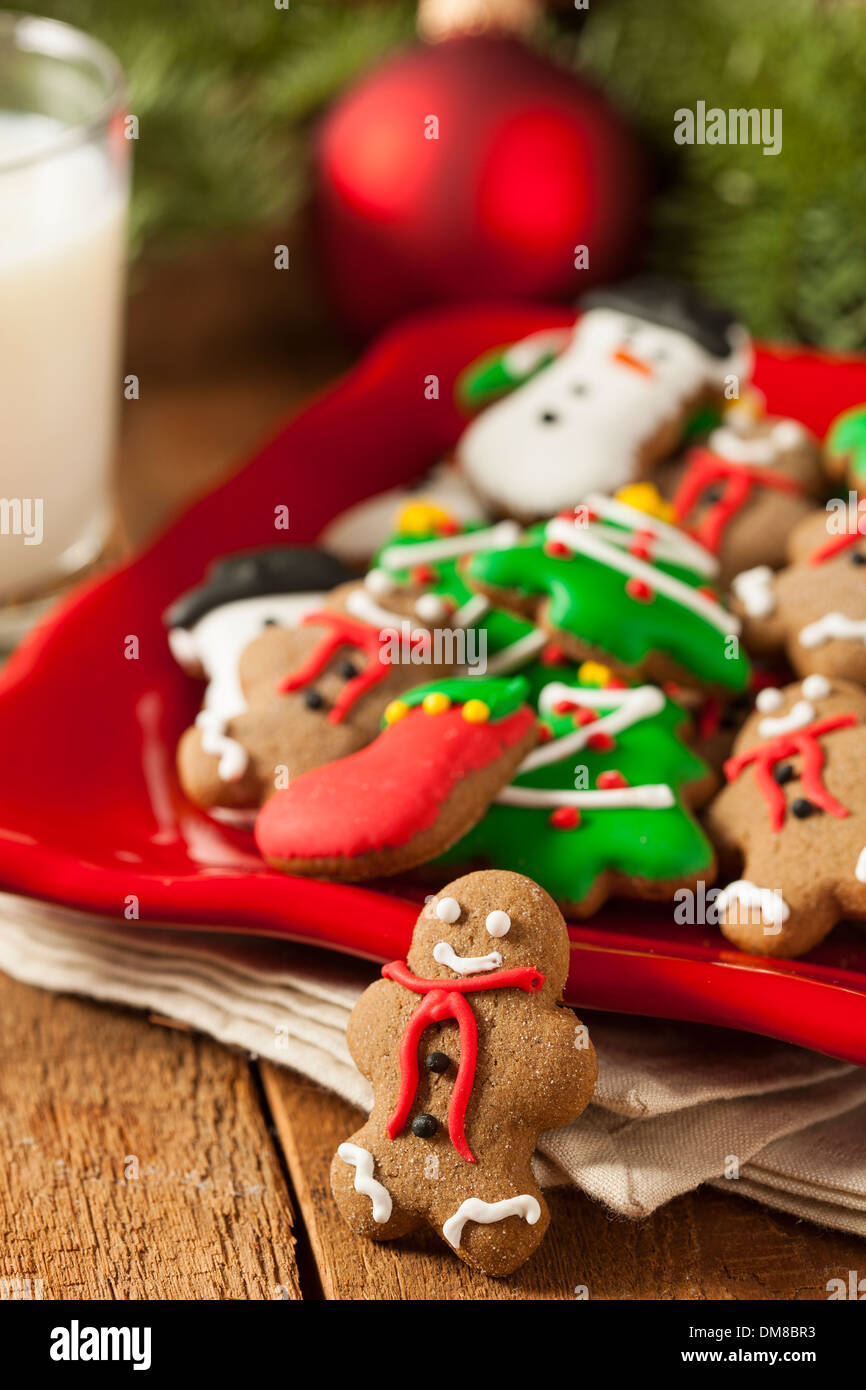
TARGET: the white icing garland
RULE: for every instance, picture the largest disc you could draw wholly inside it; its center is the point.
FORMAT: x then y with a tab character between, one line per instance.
831	627
581	539
403	557
514	655
360	605
671	543
474	1209
362	1162
652	796
630	707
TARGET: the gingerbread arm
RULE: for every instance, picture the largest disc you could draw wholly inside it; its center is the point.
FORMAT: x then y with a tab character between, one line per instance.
376	1021
564	1042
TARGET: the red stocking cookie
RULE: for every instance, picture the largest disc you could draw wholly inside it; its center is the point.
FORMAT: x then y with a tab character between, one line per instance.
471	1058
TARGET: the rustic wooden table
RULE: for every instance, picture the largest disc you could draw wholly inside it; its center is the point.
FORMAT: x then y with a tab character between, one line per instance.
142	1161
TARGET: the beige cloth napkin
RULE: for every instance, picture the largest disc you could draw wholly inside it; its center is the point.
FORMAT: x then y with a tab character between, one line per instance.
676	1104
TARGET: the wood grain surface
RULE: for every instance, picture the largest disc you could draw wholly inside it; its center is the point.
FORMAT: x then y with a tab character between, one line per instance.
140	1161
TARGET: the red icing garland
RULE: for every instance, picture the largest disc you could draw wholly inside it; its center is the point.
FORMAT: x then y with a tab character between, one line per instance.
444	999
345	632
706	468
805	742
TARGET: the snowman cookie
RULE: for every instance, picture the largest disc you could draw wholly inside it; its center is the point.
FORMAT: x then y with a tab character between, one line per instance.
445	750
742	492
471	1057
295	680
814	610
613	402
616	585
793	817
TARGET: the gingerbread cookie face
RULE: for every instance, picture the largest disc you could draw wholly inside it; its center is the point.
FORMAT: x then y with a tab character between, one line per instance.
300	696
444	752
603	805
471	1058
815	609
794	814
616	585
614	401
743	492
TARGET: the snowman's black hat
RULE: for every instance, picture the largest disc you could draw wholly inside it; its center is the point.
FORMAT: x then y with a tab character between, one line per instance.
284	569
670	304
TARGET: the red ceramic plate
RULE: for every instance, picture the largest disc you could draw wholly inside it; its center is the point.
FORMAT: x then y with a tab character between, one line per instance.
90	811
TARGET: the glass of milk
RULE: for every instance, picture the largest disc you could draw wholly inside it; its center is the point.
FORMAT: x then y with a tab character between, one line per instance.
64	177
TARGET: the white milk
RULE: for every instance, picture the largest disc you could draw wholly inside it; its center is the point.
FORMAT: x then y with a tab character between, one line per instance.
62	230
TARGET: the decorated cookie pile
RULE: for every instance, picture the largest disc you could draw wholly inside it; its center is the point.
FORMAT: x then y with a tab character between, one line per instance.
569	651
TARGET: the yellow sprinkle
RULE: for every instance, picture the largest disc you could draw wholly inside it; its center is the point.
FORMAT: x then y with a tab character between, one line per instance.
645	497
476	712
398	709
593	673
436	702
420	518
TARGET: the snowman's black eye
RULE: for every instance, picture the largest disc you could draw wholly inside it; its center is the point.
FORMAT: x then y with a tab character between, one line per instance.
661	355
548	417
578	388
858	558
269	622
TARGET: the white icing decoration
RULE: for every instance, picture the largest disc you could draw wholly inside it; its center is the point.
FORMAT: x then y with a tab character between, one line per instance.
754	589
833	627
761	449
582	539
816	687
629	707
448	909
403	557
498	923
362	1162
798	716
654	796
860	867
474	1209
444	954
769	699
768	901
360	605
214	644
605	414
670	543
379	582
431	608
358	532
473	611
514	655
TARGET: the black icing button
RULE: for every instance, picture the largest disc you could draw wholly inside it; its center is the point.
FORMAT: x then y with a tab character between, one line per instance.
785	772
437	1061
424	1126
313	700
803	808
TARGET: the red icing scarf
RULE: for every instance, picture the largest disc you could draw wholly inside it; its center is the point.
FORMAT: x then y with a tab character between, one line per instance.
805	742
706	468
344	632
444	999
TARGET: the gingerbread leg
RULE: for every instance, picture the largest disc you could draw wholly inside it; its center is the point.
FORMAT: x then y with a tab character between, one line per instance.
499	1233
763	919
367	1206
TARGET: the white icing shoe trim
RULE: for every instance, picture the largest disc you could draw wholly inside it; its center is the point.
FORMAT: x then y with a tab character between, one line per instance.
474	1209
444	954
362	1162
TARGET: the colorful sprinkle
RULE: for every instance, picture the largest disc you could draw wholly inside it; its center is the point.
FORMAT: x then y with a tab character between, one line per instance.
398	709
545	733
476	712
423	574
436	702
584	716
639	589
645	497
564	706
610	780
558	550
601	743
552	655
565	818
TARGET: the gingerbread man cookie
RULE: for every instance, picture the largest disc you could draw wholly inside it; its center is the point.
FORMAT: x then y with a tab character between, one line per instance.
603	411
743	492
794	814
471	1057
815	609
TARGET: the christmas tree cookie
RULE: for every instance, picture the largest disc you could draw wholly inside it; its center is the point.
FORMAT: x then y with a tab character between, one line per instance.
845	448
615	584
603	805
444	752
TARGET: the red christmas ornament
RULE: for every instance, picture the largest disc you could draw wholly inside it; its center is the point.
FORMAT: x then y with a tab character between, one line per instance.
472	169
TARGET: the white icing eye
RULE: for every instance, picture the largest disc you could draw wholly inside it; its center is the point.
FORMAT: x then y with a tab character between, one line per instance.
431	608
816	687
448	909
769	699
379	582
498	923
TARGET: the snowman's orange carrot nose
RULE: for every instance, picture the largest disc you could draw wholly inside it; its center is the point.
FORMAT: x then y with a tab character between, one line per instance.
621	355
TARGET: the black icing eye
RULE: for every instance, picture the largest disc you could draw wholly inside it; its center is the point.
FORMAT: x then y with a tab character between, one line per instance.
713	494
548	417
858	558
269	622
784	773
313	700
348	670
803	808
